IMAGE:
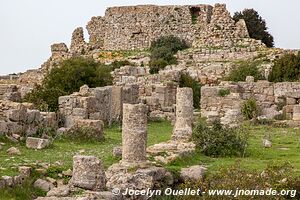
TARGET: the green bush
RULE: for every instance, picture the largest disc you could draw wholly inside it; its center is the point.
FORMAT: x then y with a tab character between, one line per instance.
223	92
188	81
68	78
286	68
244	69
219	141
250	109
162	52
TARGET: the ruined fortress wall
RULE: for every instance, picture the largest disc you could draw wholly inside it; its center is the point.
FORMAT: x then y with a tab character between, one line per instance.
267	95
135	27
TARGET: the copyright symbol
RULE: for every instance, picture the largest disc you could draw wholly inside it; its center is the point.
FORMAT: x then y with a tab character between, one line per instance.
116	191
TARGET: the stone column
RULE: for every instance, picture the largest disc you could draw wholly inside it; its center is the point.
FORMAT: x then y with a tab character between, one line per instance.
134	133
88	173
296	113
184	114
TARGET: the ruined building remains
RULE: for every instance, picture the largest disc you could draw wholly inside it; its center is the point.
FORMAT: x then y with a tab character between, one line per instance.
135	27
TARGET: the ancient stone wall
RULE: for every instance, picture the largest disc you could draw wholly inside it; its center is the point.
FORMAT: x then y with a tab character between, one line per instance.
102	103
20	119
135	27
272	98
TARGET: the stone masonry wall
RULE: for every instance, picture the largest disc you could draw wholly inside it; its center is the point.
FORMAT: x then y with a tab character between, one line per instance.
135	27
102	103
269	96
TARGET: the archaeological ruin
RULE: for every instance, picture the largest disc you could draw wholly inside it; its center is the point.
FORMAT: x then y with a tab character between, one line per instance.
217	44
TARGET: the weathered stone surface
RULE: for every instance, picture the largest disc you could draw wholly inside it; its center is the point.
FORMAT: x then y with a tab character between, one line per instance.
25	171
78	45
88	173
296	113
184	114
167	152
13	151
9	181
62	191
267	143
151	22
43	185
134	133
117	151
194	173
37	143
140	177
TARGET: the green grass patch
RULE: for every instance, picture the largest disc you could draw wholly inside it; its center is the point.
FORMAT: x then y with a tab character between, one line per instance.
63	150
285	148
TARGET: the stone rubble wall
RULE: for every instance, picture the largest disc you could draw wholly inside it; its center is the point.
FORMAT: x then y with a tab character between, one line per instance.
158	91
15	181
20	119
267	95
135	27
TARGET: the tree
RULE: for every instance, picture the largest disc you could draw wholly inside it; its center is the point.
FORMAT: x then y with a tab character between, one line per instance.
256	26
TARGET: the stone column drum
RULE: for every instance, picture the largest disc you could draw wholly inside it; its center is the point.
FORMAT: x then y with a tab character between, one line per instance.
134	133
88	173
184	114
296	113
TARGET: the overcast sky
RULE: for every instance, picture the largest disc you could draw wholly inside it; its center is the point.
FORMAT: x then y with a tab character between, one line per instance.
29	27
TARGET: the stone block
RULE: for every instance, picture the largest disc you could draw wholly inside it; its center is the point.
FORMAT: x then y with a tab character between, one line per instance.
43	185
88	173
296	113
37	143
290	101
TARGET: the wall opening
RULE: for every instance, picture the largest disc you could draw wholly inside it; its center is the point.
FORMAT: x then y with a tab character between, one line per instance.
195	14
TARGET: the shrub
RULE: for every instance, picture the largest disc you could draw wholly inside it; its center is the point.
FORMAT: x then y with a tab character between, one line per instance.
187	81
223	92
286	68
162	52
250	109
219	141
68	78
244	69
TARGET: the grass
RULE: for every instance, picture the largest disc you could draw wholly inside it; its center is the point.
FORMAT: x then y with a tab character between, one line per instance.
63	150
286	148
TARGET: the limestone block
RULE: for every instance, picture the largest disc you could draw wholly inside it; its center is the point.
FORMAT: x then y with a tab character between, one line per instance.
49	119
194	173
94	127
33	116
290	101
249	79
296	113
88	173
43	185
37	143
